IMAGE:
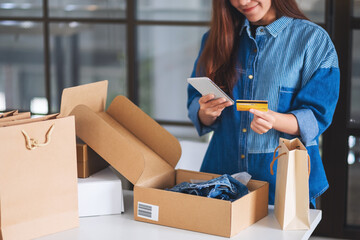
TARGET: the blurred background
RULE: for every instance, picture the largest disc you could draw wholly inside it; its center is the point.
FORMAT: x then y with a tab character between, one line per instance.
146	49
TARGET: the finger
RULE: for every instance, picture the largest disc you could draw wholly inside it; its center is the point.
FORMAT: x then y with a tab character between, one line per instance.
213	112
262	123
267	116
219	110
258	113
258	129
262	129
225	104
228	104
210	101
255	129
214	103
206	98
214	108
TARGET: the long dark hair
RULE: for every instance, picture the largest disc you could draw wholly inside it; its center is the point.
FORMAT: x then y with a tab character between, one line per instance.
218	59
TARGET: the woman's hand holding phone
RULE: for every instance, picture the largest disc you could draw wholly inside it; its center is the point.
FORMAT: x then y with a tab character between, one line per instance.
210	108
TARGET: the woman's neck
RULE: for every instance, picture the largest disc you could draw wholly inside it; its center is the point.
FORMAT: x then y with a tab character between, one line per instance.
269	17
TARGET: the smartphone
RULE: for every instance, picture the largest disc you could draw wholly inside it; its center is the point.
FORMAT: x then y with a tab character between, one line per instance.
206	86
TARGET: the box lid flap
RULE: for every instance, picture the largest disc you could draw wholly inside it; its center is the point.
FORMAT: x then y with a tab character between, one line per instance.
108	143
146	129
92	95
127	138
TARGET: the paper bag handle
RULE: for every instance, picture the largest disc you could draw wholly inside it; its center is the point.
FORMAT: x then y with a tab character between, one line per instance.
274	158
33	143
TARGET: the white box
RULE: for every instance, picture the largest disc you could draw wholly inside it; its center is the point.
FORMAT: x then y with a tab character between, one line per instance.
100	194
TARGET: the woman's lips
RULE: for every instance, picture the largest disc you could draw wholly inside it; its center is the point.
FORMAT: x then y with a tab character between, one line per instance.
249	9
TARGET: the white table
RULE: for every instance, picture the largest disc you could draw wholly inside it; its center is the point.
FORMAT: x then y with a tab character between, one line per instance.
123	226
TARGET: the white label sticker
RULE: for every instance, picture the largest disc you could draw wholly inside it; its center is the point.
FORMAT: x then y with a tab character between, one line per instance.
148	211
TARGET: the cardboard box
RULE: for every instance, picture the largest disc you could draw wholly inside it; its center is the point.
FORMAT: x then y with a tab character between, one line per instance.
94	96
146	154
88	161
100	194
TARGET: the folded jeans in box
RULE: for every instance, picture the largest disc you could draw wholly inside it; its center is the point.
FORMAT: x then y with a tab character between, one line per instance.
146	154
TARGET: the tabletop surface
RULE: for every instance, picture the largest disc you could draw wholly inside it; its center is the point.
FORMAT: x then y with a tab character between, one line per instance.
123	226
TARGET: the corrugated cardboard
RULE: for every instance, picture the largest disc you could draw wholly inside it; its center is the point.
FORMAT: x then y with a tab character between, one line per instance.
146	154
100	194
88	161
94	96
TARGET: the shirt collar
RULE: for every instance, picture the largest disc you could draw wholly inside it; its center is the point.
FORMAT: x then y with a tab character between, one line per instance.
245	25
277	26
273	28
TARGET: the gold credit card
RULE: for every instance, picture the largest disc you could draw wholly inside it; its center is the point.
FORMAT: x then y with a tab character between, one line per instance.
246	105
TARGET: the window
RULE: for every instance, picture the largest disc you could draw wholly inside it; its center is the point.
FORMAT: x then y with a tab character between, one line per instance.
82	53
22	76
313	9
88	9
21	8
144	48
355	81
174	10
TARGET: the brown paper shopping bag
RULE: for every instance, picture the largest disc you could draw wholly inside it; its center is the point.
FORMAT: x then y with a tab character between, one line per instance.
7	114
38	177
292	185
14	115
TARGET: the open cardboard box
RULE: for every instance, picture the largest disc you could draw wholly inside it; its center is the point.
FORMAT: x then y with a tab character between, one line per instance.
146	154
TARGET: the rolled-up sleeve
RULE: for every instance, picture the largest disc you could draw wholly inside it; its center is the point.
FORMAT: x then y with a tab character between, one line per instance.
315	103
308	126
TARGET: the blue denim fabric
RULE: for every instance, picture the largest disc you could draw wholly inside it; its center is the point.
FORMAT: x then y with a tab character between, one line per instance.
294	66
224	187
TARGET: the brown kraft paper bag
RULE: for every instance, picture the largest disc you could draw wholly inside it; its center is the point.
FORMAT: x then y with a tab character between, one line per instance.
38	177
10	113
292	185
14	115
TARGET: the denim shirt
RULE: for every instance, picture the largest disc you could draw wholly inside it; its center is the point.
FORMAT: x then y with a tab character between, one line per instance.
293	64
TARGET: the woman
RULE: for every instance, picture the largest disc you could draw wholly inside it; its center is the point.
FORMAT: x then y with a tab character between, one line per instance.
264	50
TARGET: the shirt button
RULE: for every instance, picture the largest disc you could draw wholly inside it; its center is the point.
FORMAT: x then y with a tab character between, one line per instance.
244	130
261	30
242	156
255	50
251	76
